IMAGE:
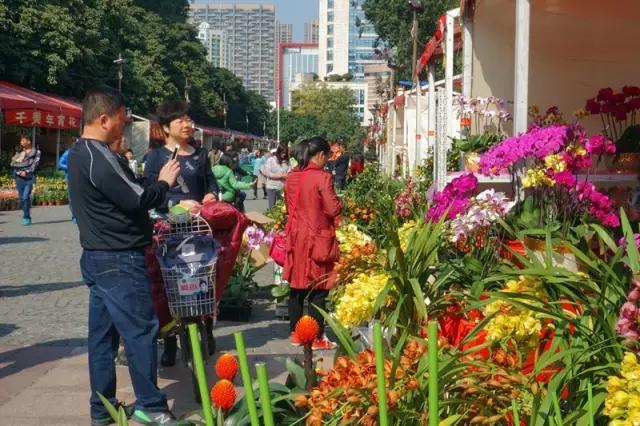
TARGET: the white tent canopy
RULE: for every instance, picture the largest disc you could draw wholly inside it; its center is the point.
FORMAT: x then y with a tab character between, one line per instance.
576	47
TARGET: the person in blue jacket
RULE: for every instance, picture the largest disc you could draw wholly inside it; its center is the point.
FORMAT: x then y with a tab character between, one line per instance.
62	165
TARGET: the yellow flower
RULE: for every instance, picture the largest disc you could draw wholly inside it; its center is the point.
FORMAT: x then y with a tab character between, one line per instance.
537	177
555	162
349	236
512	321
622	405
356	304
404	232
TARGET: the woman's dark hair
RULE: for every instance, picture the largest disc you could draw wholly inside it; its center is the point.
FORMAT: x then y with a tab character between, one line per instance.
309	148
359	158
226	160
282	154
171	110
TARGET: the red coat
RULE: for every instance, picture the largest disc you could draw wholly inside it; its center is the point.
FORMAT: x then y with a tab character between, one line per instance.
313	214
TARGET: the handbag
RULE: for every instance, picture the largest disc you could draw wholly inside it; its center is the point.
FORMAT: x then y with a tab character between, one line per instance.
278	250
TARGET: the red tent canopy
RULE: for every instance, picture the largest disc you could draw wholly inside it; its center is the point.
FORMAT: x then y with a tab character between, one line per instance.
27	108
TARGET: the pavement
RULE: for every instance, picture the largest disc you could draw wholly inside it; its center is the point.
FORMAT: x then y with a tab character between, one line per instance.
43	327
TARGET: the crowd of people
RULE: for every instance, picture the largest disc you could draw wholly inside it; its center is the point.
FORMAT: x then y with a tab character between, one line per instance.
111	198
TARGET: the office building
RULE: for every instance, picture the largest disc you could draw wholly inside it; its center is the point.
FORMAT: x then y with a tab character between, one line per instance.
249	36
311	31
284	33
294	59
346	39
218	45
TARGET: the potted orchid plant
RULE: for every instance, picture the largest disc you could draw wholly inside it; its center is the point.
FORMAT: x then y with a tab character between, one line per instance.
545	162
485	118
619	115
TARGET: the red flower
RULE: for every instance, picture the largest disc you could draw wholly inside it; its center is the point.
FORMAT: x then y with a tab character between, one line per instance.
593	106
633	104
631	91
223	394
620	112
307	330
618	98
227	367
605	94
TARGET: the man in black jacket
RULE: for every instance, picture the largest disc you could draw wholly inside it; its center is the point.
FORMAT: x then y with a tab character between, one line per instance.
111	209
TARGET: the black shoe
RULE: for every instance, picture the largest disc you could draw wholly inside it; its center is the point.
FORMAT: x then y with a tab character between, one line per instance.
168	358
161	418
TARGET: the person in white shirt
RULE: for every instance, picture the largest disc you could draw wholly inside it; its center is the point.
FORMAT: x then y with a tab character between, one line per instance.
133	164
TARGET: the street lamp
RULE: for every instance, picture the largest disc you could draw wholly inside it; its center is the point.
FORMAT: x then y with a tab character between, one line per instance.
119	62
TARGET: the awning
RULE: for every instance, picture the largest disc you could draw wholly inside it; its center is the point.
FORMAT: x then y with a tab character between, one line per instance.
27	108
433	47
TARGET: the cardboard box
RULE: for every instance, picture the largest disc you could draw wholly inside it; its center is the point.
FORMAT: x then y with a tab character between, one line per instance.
260	256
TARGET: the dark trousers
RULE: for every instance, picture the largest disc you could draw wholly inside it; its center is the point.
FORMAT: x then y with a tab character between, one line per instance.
255	189
273	195
24	187
297	298
238	202
120	305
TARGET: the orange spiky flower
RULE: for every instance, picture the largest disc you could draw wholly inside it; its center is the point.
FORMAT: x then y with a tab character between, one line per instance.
223	394
227	366
307	330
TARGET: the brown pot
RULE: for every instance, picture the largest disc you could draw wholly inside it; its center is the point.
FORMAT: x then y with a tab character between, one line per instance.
58	202
628	162
472	162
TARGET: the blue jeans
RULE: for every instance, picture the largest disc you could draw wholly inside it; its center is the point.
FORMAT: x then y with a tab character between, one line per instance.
120	305
24	187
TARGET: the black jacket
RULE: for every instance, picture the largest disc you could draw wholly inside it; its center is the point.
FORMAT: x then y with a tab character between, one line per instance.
110	204
195	181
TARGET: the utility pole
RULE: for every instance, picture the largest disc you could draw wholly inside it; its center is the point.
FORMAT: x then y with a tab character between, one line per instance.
224	111
246	119
187	86
119	62
416	7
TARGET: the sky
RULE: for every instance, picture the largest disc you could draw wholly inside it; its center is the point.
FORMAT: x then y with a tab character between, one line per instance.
295	12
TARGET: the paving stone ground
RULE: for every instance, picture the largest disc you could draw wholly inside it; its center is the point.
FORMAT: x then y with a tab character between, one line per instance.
43	326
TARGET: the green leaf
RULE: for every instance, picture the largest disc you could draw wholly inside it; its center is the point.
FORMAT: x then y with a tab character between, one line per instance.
297	373
109	407
451	420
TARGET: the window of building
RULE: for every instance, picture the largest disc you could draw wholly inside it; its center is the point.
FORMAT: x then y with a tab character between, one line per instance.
329	55
330	29
329	43
329	4
330	17
329	68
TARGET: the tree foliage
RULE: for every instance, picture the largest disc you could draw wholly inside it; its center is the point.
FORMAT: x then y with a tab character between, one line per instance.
320	110
68	46
393	20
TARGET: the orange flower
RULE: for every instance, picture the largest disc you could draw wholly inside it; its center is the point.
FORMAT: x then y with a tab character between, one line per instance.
227	366
307	330
223	394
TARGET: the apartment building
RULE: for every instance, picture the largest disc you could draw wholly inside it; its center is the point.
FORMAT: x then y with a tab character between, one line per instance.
250	31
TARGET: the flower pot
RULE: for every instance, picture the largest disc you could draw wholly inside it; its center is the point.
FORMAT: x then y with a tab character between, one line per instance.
562	255
628	162
472	162
511	247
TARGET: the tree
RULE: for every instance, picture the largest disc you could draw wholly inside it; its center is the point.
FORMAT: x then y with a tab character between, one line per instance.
393	20
334	111
294	127
43	47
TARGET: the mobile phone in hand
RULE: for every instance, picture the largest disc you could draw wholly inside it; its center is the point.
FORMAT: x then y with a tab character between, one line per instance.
175	153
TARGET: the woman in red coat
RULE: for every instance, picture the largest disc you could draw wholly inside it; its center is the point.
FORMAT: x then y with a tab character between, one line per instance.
312	247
